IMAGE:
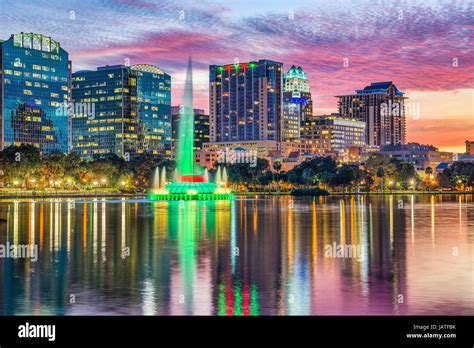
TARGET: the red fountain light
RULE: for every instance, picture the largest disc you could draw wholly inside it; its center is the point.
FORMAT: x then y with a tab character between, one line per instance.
191	178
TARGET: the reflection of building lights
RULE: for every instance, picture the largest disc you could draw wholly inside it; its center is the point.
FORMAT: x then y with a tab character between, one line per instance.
15	183
237	299
33	180
103	180
95	183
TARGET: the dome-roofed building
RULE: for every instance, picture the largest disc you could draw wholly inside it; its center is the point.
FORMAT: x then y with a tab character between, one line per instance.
297	102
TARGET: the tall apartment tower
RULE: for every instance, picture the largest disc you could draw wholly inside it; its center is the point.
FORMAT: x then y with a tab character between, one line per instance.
34	93
297	103
381	106
246	101
132	111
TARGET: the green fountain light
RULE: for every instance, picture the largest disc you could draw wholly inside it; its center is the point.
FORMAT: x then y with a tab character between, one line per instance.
189	185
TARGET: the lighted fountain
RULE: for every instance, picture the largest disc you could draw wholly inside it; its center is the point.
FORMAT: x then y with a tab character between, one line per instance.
192	181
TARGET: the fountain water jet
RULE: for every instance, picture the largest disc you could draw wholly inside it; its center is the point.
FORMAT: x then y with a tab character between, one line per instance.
188	185
218	176
163	177
224	177
155	185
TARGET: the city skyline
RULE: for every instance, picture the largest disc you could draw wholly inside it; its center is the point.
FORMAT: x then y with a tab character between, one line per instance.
299	159
421	46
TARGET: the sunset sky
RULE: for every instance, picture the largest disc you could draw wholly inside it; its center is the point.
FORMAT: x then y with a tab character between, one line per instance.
425	47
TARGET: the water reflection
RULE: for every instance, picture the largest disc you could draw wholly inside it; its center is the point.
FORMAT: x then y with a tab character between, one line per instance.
270	256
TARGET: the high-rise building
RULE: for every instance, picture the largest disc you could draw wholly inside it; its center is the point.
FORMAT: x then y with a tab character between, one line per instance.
154	108
201	127
334	135
469	147
132	111
34	92
246	101
112	128
381	106
297	103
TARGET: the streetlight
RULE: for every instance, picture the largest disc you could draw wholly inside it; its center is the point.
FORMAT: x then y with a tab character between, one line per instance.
32	180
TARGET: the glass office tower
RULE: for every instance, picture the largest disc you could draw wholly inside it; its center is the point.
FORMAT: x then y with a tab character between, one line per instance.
111	92
154	108
35	84
132	111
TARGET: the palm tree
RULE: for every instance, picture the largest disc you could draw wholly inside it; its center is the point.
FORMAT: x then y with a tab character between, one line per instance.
277	168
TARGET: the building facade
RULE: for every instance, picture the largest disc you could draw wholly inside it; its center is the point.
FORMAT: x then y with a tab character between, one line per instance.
201	127
34	93
382	107
260	147
422	156
469	147
154	109
131	111
297	103
246	101
201	130
334	135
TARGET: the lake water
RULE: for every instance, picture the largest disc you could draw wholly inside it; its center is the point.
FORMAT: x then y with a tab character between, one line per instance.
399	254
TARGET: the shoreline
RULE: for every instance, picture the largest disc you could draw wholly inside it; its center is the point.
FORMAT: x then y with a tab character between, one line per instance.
102	194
